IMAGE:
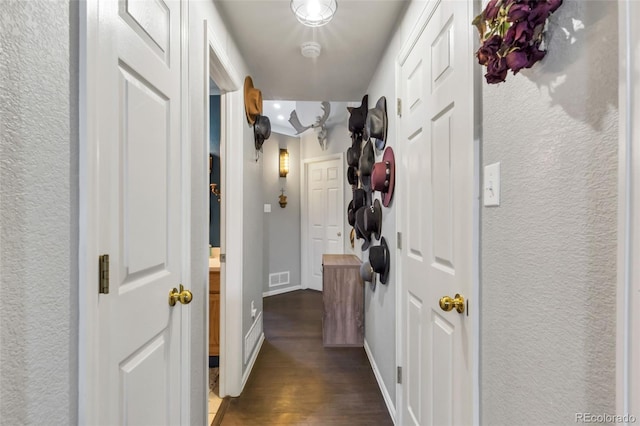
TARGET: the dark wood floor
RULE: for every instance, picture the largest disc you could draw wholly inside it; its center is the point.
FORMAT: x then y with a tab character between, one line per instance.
296	381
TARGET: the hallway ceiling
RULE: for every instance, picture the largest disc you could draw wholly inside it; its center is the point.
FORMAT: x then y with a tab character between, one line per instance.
269	37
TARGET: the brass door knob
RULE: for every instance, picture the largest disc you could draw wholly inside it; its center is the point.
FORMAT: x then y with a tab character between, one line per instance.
447	303
183	296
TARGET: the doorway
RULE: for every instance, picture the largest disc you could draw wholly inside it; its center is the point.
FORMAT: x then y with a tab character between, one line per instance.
322	215
215	225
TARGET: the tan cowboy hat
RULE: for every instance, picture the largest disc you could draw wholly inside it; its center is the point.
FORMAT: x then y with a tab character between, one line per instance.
252	100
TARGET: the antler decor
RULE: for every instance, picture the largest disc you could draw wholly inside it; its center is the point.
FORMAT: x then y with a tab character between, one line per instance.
320	123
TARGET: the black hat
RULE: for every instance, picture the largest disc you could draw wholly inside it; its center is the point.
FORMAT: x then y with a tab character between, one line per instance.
351	214
261	130
377	123
359	199
379	259
361	232
352	175
358	116
367	159
373	219
353	155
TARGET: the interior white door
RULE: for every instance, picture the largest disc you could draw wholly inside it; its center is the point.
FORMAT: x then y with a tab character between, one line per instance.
324	214
139	125
437	149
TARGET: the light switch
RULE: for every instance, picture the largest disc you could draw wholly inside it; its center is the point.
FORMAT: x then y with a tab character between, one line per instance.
267	208
492	185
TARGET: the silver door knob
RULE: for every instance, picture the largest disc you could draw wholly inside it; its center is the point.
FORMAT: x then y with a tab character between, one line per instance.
339	234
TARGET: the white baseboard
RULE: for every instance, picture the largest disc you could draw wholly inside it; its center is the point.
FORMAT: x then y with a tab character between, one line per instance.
385	393
281	291
251	363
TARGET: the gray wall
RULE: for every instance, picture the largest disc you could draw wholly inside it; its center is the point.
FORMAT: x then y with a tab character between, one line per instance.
38	212
551	245
282	225
253	256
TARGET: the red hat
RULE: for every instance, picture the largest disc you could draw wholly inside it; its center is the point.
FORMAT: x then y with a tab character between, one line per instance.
383	176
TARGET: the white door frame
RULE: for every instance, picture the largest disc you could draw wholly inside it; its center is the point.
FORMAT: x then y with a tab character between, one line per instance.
89	215
628	291
222	72
304	231
400	193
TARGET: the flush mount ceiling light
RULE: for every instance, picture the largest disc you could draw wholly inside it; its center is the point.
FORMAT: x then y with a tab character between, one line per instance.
310	49
314	13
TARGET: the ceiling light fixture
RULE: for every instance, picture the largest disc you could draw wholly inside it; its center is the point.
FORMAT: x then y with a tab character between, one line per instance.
310	49
314	13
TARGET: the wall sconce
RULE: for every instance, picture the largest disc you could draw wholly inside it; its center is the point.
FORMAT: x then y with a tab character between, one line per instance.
284	162
282	199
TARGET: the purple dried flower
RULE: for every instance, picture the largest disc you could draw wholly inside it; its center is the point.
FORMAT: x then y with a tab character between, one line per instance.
539	14
554	5
488	49
534	55
516	60
496	70
518	12
519	34
492	9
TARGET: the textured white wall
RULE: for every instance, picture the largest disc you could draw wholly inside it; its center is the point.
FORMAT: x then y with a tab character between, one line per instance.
549	251
38	212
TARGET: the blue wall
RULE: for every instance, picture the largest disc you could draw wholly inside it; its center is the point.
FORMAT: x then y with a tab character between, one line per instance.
214	177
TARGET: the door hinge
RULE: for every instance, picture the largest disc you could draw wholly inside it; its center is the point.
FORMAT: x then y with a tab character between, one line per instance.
399	240
399	105
223	258
104	274
399	378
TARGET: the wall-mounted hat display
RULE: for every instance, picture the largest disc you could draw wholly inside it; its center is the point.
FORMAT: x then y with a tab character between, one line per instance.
261	130
252	101
383	176
358	116
373	219
380	260
376	124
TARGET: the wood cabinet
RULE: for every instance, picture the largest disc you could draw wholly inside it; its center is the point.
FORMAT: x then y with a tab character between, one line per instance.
343	301
214	313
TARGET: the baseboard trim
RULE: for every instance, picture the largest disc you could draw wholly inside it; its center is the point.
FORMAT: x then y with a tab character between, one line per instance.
251	363
385	393
281	291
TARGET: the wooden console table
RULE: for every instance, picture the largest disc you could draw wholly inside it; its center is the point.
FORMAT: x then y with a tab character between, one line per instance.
343	299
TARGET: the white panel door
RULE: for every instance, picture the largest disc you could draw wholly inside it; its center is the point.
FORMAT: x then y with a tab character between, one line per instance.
437	220
324	214
140	203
